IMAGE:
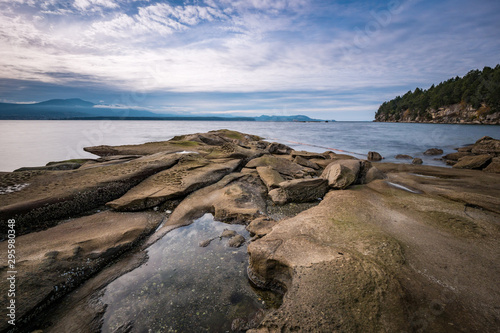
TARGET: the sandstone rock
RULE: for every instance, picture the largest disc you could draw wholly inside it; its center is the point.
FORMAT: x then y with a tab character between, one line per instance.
279	149
433	151
457	156
473	162
494	166
486	145
417	160
236	241
59	259
190	174
300	190
374	156
305	162
228	233
373	174
466	149
282	165
261	226
308	155
403	157
341	174
236	198
278	196
270	177
56	166
54	195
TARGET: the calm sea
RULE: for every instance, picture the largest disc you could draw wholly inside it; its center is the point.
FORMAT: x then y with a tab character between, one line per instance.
34	143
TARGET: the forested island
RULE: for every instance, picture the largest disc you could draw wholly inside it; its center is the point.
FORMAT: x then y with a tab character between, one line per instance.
472	99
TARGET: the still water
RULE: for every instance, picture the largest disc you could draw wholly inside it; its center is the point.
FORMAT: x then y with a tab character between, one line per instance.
36	142
184	287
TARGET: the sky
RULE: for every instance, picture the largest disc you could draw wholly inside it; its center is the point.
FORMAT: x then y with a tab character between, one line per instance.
324	59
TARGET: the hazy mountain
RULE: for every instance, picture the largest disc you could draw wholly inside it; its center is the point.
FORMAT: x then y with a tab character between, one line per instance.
78	109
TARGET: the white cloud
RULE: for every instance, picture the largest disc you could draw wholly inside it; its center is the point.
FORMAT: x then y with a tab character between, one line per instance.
92	4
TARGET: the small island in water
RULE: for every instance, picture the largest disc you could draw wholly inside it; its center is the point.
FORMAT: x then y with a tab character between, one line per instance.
313	242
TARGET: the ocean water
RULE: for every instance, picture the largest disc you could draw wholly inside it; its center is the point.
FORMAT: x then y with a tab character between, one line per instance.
37	142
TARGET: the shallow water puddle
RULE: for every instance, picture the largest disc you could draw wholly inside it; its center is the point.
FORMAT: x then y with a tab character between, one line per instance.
184	287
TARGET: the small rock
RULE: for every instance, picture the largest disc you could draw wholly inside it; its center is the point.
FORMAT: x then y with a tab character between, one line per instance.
238	325
228	233
261	226
278	196
433	151
205	243
236	241
403	157
279	149
270	177
374	156
417	160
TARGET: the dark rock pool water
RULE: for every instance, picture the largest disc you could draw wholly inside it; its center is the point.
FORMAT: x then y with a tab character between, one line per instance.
186	288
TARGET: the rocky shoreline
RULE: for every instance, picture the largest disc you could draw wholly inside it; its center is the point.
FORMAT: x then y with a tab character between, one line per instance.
352	245
460	113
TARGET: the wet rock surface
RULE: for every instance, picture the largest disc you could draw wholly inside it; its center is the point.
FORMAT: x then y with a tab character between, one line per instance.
374	256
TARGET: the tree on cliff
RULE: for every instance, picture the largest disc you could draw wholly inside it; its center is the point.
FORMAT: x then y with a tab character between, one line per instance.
477	88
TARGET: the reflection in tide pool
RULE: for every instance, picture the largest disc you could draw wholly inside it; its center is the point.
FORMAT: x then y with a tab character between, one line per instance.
184	287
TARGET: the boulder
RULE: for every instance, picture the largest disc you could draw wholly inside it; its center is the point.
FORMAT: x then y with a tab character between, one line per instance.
270	177
486	145
190	174
403	157
305	162
236	241
261	226
341	174
473	162
374	156
282	165
300	190
456	156
433	151
417	160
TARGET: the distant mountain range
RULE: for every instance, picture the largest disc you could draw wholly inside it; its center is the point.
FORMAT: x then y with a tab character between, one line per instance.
78	109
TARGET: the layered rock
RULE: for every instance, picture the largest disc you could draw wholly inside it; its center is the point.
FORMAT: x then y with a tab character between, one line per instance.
476	156
299	190
190	174
55	261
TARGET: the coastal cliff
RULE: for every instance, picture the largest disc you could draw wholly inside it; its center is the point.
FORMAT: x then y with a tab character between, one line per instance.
472	99
460	113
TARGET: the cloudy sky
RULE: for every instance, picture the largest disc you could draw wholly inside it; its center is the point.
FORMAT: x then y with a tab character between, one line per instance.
325	59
